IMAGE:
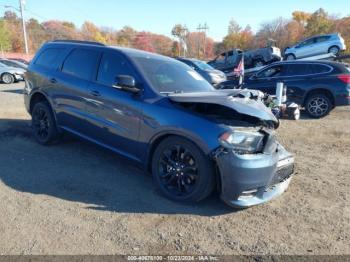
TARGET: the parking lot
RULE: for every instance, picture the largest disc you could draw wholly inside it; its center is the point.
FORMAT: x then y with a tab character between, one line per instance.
77	198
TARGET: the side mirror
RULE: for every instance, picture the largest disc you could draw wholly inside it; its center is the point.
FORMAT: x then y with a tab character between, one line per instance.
127	83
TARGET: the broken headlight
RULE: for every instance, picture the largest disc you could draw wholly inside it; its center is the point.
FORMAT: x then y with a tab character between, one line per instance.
243	142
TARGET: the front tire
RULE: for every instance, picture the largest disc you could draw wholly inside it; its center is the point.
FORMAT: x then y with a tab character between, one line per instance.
44	124
182	171
318	105
7	78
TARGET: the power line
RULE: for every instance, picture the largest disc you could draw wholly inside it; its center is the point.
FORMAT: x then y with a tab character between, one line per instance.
35	14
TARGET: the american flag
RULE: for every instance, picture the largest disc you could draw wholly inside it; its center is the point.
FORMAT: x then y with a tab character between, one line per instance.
239	69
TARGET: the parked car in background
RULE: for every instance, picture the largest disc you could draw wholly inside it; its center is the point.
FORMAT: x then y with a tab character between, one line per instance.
262	56
13	63
10	74
227	61
213	76
318	86
162	114
316	45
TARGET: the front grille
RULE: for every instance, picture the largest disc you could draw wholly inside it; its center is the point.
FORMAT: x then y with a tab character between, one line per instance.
282	174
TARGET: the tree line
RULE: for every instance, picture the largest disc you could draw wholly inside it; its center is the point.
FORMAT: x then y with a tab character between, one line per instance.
280	31
285	32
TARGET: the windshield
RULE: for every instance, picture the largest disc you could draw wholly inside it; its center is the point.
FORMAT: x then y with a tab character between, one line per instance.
167	76
202	65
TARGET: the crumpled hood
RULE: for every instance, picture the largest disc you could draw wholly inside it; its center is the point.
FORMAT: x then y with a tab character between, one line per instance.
237	99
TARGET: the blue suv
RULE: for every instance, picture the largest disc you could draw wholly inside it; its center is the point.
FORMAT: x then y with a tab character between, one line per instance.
162	114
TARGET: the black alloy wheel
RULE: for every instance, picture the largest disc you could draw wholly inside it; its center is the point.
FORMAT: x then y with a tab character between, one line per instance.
43	124
178	170
182	171
318	105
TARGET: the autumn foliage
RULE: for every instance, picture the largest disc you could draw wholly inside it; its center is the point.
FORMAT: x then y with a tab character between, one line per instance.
282	32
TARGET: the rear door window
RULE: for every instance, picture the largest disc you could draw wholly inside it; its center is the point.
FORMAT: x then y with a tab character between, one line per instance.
321	39
111	66
81	63
49	58
298	70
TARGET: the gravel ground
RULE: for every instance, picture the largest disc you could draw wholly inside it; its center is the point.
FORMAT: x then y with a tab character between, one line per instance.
77	198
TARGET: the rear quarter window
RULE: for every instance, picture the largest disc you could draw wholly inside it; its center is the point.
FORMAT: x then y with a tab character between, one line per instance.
321	69
81	63
49	58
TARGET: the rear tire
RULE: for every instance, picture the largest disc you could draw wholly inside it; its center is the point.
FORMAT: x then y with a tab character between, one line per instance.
318	105
44	124
7	78
290	57
182	171
334	50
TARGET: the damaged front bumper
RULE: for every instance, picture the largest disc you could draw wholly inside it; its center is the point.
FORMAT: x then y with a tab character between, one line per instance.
252	179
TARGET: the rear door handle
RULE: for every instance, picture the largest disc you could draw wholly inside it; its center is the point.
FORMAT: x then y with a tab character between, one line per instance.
95	93
53	80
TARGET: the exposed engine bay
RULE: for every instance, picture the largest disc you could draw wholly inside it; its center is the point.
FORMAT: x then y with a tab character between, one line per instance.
229	107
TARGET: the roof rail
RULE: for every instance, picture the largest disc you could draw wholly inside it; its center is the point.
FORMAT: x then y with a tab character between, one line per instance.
78	42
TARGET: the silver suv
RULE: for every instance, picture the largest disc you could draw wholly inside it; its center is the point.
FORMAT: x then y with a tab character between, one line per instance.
316	45
10	74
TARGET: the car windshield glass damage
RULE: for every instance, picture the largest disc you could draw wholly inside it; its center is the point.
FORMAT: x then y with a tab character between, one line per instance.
168	76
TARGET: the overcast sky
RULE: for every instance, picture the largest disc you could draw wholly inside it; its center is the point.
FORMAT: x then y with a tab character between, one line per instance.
159	16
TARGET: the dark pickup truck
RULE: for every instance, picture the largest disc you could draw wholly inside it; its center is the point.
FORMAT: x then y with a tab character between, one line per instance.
227	61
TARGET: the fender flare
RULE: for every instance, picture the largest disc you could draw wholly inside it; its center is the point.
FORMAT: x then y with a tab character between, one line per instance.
39	92
157	138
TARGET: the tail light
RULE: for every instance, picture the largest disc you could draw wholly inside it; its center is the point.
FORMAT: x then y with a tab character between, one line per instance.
344	78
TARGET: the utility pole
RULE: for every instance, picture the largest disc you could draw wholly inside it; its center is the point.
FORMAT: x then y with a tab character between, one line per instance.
184	32
203	28
21	3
